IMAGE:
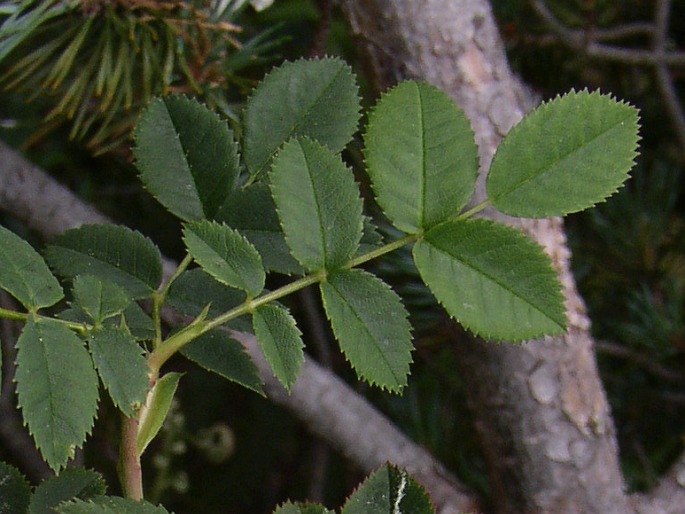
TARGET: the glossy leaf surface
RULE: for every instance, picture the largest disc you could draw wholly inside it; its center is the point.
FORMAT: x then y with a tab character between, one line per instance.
492	279
421	156
186	155
370	323
567	155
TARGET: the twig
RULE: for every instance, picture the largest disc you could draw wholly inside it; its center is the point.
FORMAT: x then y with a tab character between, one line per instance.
618	350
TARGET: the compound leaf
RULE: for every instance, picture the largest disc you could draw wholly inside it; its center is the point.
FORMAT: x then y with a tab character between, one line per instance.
71	484
370	323
186	156
492	279
389	491
216	351
566	156
110	505
318	203
313	98
156	408
421	156
15	491
24	274
226	255
108	252
281	342
100	299
122	367
57	389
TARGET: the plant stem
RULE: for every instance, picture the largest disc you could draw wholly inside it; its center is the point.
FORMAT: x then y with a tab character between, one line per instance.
129	469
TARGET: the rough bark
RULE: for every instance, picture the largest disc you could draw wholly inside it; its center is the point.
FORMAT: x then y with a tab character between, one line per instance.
539	408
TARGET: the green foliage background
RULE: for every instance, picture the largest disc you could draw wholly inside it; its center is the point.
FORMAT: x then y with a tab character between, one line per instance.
628	259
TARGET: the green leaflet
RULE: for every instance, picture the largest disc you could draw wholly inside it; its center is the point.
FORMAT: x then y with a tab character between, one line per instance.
281	342
226	255
100	299
312	98
421	156
69	485
156	408
371	325
122	367
108	252
494	280
252	212
110	505
186	156
216	351
57	388
302	508
566	156
24	274
389	491
15	491
318	203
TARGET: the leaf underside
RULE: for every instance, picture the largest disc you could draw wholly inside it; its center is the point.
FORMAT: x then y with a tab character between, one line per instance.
24	274
421	156
57	389
313	98
566	156
318	204
492	279
108	252
281	342
187	156
370	324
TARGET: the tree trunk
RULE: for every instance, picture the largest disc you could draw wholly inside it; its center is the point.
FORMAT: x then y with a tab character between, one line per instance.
539	408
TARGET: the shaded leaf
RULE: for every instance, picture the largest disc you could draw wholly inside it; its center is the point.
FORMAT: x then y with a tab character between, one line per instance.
156	408
110	505
370	323
421	156
389	491
71	484
302	508
186	156
139	323
108	252
24	274
492	279
318	204
281	342
226	255
252	212
57	389
566	156
15	491
100	299
218	352
122	367
313	98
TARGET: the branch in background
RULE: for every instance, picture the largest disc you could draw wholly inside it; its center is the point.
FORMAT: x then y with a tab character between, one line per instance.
658	57
644	361
326	405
